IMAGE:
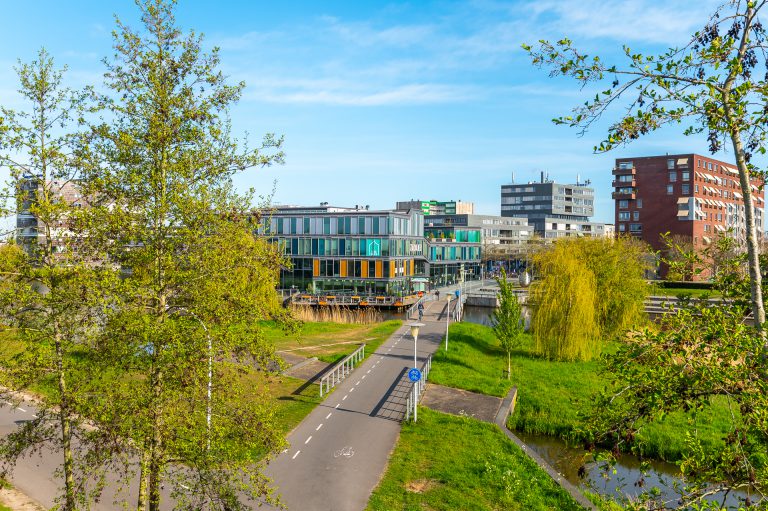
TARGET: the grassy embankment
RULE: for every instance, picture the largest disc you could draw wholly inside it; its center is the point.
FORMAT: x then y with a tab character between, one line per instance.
444	463
552	395
292	398
329	342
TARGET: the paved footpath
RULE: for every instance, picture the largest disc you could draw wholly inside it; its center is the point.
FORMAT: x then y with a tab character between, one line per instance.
340	450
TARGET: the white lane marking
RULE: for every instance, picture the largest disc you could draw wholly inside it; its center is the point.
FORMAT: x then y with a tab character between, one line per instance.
337	405
345	397
320	426
294	456
21	409
369	371
352	390
307	440
285	450
358	382
329	415
35	416
363	377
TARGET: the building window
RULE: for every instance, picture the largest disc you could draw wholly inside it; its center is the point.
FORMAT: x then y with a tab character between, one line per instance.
625	165
672	177
623	204
709	166
696	188
636	227
639	203
627	178
635	216
622	227
624	216
670	189
686	189
686	175
671	163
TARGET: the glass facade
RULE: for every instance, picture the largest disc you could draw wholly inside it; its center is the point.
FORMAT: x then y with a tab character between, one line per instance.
367	252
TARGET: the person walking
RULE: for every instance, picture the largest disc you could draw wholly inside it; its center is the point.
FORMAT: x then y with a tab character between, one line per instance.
420	307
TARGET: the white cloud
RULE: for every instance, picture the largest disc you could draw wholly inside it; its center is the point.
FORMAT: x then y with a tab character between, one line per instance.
350	95
672	22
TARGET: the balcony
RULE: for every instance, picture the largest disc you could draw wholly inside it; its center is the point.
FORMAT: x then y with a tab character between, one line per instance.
623	172
618	184
623	195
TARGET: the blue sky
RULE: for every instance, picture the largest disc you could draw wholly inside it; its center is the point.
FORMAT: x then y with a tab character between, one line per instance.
380	102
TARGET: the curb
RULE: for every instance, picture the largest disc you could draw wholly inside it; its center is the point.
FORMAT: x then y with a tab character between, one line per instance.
507	407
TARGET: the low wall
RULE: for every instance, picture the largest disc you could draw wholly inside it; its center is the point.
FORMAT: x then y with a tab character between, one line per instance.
507	408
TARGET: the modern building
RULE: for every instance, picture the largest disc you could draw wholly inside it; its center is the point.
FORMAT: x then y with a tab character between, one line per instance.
30	230
689	195
493	230
554	210
433	207
358	251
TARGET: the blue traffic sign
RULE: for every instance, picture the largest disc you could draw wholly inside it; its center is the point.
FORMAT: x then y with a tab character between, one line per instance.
414	374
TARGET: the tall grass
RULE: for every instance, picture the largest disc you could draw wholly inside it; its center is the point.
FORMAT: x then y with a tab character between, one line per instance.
337	314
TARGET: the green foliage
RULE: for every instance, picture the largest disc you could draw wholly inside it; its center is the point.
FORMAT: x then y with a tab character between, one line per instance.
508	322
554	397
50	295
564	320
589	288
703	354
712	85
438	465
196	280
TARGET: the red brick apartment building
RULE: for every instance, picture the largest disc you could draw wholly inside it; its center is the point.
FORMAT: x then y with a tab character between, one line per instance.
689	195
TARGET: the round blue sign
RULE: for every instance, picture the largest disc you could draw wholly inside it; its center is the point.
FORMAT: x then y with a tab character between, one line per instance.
414	374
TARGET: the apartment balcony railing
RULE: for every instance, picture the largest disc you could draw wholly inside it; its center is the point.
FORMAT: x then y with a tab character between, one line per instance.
623	195
623	172
618	184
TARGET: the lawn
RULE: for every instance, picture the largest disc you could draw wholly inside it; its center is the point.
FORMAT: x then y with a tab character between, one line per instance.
552	395
445	463
684	291
329	342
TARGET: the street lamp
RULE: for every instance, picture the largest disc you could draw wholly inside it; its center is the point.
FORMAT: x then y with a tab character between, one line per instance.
447	318
415	334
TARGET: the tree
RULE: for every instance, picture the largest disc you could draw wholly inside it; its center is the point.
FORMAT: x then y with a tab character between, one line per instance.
197	279
701	354
590	288
51	297
711	84
564	319
508	322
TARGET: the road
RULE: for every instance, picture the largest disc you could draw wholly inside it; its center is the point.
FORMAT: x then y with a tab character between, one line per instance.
340	450
338	453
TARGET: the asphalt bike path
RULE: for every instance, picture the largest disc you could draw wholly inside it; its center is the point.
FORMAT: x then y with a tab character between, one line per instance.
339	451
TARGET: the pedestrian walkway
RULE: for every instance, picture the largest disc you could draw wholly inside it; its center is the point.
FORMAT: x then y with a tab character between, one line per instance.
461	402
339	451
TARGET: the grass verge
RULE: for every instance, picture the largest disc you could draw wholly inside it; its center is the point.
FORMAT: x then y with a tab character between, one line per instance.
445	463
552	396
329	342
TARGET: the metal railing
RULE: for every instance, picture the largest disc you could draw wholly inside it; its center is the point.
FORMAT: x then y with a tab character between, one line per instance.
341	370
417	389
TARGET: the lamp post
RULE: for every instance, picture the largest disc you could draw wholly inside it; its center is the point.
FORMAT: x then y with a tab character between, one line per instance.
415	334
415	379
447	318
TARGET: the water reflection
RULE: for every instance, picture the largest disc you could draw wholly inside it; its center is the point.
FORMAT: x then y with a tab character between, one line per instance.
628	481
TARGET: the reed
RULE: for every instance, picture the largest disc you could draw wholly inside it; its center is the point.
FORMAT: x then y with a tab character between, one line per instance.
337	314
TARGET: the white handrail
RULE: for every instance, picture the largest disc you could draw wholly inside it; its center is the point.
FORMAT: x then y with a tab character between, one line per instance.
341	370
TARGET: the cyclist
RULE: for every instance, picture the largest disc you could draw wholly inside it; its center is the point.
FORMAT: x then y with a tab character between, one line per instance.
420	307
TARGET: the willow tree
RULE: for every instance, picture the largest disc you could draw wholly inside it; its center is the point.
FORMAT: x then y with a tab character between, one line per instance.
564	321
51	296
591	289
715	84
196	278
